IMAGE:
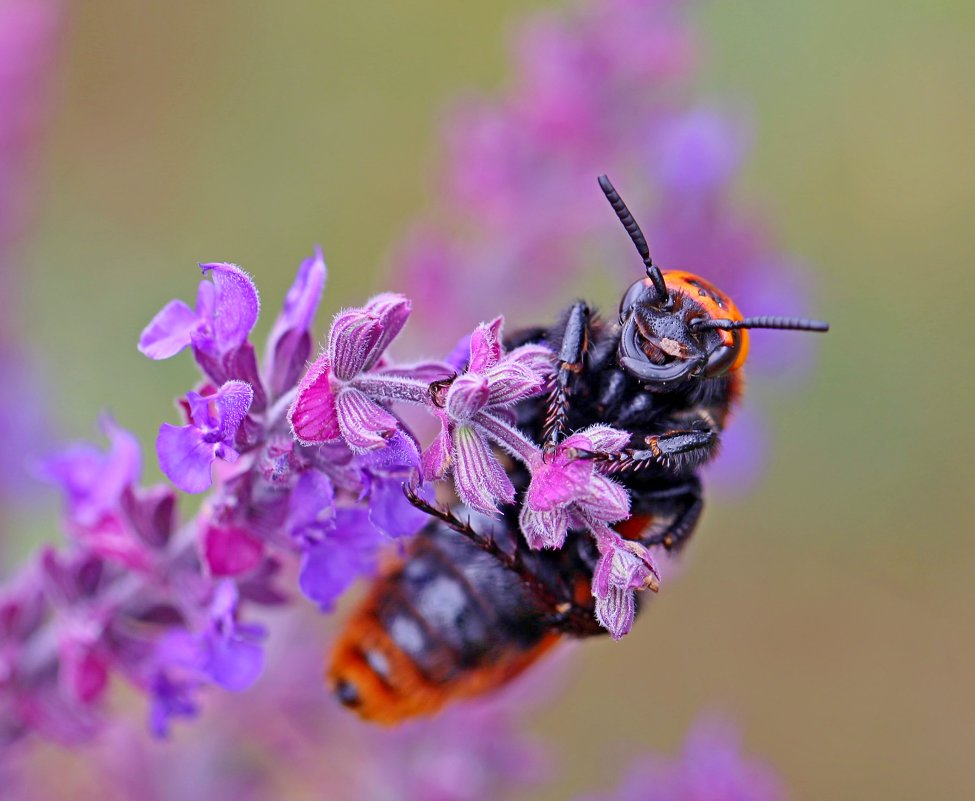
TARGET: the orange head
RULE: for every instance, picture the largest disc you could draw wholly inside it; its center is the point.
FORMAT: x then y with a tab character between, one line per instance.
677	327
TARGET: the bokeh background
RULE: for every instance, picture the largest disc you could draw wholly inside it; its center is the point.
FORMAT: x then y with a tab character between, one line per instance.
829	612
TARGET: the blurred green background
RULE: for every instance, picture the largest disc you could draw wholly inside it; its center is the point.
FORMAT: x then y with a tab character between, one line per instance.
830	613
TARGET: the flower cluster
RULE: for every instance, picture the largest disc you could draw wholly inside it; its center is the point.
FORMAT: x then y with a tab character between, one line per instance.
600	89
347	396
303	467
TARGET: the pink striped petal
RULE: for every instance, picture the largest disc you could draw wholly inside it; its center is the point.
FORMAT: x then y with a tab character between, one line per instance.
486	346
393	311
354	336
544	529
364	424
312	416
480	480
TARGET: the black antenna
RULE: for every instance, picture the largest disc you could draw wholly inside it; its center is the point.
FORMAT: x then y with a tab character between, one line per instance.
784	323
653	271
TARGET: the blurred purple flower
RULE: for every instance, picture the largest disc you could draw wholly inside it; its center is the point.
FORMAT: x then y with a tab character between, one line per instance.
599	89
104	510
186	453
711	768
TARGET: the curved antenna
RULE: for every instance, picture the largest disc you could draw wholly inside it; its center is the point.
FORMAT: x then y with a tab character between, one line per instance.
782	323
633	229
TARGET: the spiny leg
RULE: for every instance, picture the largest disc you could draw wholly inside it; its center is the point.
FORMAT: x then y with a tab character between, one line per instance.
572	354
513	560
678	449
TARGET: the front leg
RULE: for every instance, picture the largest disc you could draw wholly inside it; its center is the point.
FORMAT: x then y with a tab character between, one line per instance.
572	354
679	449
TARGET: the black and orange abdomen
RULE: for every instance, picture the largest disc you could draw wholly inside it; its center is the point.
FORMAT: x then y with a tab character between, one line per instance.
448	622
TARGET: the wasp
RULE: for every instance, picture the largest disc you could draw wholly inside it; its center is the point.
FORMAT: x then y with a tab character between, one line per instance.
461	615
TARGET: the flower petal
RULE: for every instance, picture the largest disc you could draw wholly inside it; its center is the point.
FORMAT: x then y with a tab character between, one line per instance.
438	458
605	500
510	382
558	482
230	551
544	529
615	611
390	511
329	567
486	346
169	331
232	402
184	457
364	424
393	310
352	339
312	416
236	305
480	480
538	359
467	394
301	302
599	438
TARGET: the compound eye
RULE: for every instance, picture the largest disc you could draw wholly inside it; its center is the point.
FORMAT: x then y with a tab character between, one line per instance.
723	358
642	291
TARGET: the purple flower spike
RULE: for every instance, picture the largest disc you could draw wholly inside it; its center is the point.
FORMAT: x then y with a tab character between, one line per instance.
568	491
624	568
289	344
333	398
186	453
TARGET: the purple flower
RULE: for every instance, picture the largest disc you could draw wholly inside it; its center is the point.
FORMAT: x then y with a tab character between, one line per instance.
566	491
624	568
289	343
229	550
217	329
225	313
711	768
333	397
224	652
104	511
337	545
493	382
186	453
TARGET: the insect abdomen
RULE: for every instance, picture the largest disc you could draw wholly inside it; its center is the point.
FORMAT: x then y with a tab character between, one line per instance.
450	621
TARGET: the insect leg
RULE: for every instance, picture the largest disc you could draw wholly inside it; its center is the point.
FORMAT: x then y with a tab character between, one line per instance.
575	343
514	560
686	504
679	449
